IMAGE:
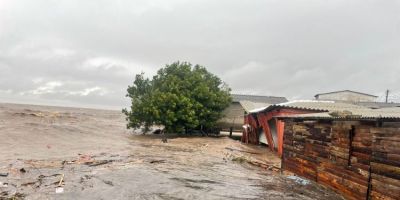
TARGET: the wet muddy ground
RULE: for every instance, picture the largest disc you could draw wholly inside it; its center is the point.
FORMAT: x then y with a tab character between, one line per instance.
70	153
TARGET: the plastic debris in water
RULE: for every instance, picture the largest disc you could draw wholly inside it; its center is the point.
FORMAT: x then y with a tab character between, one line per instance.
4	174
59	190
3	185
299	180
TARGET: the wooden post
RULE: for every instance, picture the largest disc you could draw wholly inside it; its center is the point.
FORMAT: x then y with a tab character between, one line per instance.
351	137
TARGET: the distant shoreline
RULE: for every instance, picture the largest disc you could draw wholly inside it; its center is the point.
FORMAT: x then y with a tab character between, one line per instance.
61	106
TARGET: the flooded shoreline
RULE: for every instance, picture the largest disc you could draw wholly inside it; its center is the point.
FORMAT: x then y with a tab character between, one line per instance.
90	155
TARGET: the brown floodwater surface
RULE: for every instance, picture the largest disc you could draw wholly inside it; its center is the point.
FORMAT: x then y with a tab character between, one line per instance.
90	155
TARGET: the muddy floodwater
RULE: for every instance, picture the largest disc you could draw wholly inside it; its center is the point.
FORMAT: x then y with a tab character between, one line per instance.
72	153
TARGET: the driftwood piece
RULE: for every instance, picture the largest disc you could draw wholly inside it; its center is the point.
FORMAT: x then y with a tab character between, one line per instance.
250	152
61	180
97	163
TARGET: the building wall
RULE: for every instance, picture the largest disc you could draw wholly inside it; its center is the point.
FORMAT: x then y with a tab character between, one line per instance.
357	159
233	117
346	96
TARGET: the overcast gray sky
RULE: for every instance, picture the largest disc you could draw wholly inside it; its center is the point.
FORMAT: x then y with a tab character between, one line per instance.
86	53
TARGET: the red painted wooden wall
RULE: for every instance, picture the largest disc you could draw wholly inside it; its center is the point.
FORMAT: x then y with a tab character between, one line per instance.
262	118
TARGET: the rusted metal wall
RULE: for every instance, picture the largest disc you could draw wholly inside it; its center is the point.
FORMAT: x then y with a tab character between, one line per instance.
357	159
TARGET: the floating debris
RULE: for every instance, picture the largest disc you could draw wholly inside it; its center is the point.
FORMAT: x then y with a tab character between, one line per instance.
157	161
3	185
299	180
97	163
59	190
22	170
4	174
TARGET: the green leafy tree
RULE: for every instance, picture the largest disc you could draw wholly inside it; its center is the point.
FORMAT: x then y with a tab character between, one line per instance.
181	97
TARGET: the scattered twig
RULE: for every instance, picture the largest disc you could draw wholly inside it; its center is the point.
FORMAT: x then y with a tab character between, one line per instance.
264	165
29	183
157	161
250	152
94	164
61	180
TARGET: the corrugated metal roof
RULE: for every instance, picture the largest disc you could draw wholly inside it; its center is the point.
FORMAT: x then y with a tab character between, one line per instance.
259	109
320	105
248	105
332	110
324	115
323	106
377	104
258	99
383	113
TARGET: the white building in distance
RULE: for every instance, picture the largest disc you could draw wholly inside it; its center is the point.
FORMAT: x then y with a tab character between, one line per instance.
346	95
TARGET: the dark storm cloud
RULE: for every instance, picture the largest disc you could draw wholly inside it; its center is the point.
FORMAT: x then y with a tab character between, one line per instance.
87	52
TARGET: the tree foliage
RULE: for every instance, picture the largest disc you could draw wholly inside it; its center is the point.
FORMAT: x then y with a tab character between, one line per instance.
180	97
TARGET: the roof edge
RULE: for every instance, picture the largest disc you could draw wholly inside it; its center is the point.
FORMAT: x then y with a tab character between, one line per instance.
259	95
346	91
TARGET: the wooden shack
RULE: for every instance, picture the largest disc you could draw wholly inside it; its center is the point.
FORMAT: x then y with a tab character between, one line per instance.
356	155
264	122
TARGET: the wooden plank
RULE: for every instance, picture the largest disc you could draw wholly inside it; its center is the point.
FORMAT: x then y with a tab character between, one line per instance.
379	196
300	167
347	188
386	170
357	173
361	149
339	152
386	180
388	190
360	158
388	160
386	146
364	168
386	132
